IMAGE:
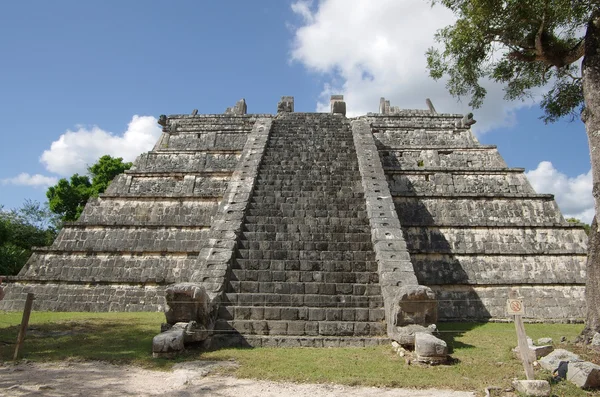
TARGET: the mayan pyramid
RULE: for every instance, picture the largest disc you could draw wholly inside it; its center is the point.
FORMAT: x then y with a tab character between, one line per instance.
304	224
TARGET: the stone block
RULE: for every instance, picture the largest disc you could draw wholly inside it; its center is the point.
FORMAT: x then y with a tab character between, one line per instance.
584	374
188	302
338	106
414	304
286	105
537	351
430	349
168	343
534	388
552	360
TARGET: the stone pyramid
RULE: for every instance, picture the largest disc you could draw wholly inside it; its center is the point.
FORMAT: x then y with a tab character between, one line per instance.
315	229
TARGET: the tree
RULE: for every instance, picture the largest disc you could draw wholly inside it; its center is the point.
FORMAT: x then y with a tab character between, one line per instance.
30	226
526	44
578	222
105	170
68	198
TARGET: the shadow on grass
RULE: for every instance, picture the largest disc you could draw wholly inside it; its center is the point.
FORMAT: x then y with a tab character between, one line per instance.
452	333
116	341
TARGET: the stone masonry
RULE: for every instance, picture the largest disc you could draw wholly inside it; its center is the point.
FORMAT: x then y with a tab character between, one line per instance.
309	229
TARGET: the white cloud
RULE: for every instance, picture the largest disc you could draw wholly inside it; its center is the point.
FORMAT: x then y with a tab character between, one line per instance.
369	49
74	151
25	179
573	195
302	8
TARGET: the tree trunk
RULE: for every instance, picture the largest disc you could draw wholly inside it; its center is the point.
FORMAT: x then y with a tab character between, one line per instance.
591	118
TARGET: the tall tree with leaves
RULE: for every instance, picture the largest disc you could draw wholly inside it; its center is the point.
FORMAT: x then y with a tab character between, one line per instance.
526	44
32	225
68	197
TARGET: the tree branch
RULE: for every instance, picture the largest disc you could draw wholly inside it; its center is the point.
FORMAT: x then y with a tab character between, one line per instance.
575	53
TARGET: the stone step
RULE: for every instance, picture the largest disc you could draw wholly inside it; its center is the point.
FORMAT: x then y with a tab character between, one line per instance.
306	255
291	228
309	275
304	220
276	171
306	244
310	328
321	195
323	239
304	288
350	214
324	191
234	339
309	154
277	266
280	182
299	183
298	300
307	207
286	313
314	205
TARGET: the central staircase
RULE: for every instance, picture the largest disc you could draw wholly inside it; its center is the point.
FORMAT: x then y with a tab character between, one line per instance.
305	272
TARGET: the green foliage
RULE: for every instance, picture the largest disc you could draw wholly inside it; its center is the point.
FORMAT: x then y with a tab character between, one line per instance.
522	44
20	230
68	197
104	171
585	226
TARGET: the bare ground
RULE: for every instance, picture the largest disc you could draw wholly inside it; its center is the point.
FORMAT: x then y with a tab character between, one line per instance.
186	379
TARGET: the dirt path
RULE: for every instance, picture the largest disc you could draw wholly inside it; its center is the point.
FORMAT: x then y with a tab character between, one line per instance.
187	379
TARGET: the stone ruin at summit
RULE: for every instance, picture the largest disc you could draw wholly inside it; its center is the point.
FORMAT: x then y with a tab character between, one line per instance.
315	227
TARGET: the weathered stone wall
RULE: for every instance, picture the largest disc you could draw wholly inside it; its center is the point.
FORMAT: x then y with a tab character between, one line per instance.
169	161
547	302
203	141
398	138
164	185
475	228
477	210
92	297
146	230
108	267
476	157
498	269
487	241
133	239
438	181
149	211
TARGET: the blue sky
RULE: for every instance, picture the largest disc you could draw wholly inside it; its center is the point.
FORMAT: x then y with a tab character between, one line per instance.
80	79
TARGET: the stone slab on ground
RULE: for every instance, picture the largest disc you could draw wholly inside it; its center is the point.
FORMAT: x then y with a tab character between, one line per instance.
186	379
582	373
534	388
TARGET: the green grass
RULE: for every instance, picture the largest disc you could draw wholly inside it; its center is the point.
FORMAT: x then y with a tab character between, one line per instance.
481	352
124	338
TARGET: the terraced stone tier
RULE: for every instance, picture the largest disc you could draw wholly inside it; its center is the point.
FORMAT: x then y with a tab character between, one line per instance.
305	269
446	156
